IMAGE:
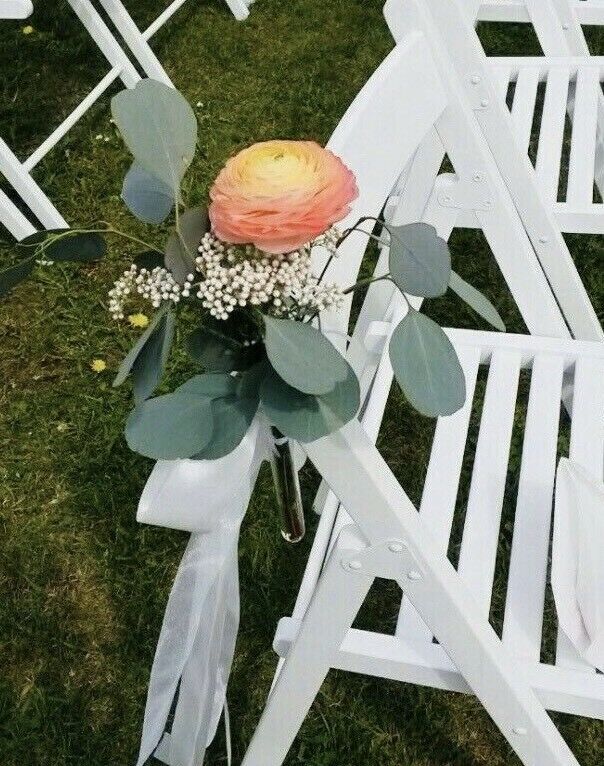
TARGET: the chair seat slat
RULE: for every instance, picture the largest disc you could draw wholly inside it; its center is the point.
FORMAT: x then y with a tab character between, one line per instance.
523	107
485	502
525	599
583	145
442	483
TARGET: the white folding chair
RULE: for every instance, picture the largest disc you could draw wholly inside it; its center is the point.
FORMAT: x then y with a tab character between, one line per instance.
382	130
18	174
565	22
138	42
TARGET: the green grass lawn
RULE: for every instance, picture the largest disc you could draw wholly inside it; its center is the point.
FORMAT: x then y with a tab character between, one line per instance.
82	585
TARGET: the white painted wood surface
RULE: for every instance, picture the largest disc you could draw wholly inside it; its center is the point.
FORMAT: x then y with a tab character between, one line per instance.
15	9
377	505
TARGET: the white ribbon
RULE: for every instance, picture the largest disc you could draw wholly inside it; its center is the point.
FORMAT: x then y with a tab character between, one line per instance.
577	561
195	650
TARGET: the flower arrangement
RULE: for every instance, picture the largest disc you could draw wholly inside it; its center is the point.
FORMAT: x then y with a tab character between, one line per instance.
245	268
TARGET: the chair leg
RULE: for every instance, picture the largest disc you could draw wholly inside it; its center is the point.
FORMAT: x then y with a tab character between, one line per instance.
100	33
28	190
135	41
239	9
335	604
13	219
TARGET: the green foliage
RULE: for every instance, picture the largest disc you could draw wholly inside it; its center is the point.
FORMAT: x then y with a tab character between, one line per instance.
303	357
11	276
172	426
149	259
218	352
307	417
160	129
426	366
146	196
419	260
476	300
148	367
59	245
181	248
147	358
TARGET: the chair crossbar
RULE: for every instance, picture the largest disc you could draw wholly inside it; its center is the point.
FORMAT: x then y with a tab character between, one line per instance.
588	12
427	664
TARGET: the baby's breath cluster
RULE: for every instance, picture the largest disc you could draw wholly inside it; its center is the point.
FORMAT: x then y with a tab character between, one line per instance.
229	277
283	285
155	285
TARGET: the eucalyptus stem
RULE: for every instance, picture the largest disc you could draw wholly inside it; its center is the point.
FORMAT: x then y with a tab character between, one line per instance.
364	282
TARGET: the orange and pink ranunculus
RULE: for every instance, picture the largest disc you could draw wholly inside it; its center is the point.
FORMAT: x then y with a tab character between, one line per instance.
279	195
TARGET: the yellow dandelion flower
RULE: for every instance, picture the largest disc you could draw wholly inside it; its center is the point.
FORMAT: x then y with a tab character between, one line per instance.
98	365
138	320
27	30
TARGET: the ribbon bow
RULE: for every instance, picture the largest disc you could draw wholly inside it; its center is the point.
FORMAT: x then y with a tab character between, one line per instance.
196	645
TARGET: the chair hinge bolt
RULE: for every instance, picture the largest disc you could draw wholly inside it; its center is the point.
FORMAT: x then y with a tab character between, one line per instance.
355	564
414	575
484	103
544	240
475	79
520	731
396	547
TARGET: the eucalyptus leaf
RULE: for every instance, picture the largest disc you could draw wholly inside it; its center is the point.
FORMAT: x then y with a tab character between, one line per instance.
11	276
64	245
303	356
232	418
149	259
419	260
306	417
148	197
192	225
177	259
149	365
211	385
171	427
426	366
250	381
130	358
160	129
219	353
477	301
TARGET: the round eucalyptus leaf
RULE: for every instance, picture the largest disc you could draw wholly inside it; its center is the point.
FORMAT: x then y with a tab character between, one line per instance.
149	259
211	385
419	260
64	245
178	260
11	276
192	225
306	417
477	301
232	418
160	129
216	353
426	366
148	197
303	356
171	427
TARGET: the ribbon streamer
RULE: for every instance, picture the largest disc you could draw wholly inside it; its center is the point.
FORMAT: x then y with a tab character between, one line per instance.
196	645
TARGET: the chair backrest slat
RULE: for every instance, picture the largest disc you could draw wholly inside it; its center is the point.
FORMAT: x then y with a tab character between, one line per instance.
376	138
461	61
